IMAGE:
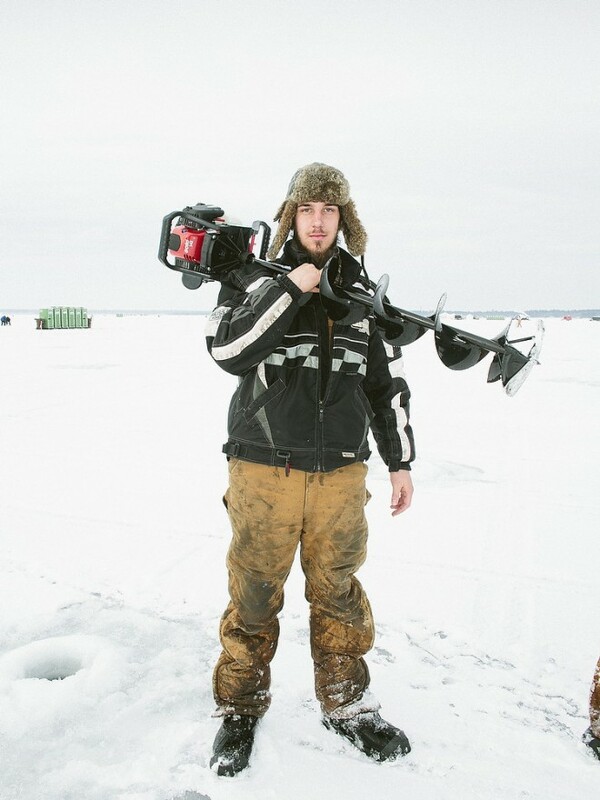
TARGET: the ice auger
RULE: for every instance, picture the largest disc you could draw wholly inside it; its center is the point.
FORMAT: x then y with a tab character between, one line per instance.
204	247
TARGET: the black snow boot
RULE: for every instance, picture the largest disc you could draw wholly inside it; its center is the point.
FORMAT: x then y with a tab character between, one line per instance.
593	742
375	737
233	744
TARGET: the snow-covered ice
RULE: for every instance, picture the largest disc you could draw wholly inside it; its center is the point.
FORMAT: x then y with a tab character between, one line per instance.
112	546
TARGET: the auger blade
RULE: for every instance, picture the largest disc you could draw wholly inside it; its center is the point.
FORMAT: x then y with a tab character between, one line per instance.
394	324
507	366
341	305
455	348
512	366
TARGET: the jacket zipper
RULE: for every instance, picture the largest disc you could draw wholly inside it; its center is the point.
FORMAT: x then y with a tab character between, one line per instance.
325	350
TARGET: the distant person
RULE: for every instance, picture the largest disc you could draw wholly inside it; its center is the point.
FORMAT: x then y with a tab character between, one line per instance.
309	390
5	320
592	736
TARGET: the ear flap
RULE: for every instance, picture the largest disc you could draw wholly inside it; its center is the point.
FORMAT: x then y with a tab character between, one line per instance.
285	215
352	228
280	211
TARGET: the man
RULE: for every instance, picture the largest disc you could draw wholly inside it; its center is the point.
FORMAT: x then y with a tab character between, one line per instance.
309	390
592	735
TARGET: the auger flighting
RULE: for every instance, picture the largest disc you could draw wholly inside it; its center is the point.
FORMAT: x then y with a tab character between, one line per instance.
456	348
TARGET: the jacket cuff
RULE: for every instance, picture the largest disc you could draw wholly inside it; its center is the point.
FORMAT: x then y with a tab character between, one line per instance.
396	466
290	287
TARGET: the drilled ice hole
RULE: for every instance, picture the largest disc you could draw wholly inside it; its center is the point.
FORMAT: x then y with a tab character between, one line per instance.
53	668
58	658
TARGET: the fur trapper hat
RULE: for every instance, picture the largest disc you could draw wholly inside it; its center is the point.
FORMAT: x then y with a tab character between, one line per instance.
320	183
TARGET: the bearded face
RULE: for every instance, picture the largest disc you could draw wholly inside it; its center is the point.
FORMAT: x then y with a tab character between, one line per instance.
316	226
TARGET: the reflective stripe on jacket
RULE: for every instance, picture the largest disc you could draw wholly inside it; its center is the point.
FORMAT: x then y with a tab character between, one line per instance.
309	390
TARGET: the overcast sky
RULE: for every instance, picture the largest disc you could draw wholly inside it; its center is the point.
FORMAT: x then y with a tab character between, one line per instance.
469	132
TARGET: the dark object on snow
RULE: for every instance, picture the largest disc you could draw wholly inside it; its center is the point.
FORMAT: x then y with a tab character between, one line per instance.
590	737
233	744
372	735
592	742
5	320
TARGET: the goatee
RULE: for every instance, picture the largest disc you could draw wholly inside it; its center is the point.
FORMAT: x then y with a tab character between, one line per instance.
320	257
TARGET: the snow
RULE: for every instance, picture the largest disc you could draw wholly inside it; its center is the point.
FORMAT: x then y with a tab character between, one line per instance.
112	547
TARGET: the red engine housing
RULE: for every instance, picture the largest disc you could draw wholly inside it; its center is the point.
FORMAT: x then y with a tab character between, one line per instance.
186	243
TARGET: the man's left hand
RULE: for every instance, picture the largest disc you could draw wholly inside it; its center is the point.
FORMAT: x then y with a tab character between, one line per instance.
402	491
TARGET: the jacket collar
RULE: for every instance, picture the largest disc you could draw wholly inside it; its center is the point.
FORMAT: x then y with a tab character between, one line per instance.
348	270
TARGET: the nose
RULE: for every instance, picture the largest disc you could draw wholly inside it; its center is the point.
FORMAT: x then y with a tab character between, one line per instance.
318	219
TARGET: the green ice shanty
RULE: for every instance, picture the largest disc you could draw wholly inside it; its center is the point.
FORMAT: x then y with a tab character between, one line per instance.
64	317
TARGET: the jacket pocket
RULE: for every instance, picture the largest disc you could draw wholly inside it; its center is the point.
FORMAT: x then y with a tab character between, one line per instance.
364	404
259	403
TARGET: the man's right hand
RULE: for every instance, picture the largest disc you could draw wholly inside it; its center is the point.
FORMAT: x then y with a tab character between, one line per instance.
306	277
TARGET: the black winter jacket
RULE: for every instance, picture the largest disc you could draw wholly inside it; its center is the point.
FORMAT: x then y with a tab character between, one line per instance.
309	389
